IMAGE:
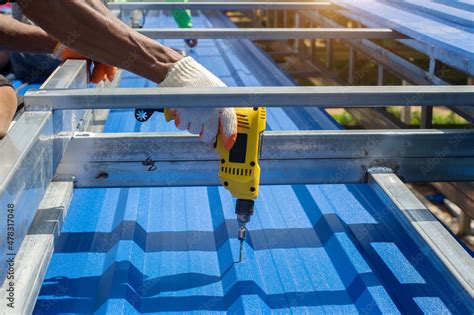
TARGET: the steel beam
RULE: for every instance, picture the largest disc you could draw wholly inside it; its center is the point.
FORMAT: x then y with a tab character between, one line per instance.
36	250
426	117
272	33
462	194
28	154
73	74
401	67
436	243
466	112
235	6
151	159
376	118
320	96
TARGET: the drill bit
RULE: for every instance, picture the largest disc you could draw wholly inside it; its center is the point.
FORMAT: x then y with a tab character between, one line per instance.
242	234
244	210
241	254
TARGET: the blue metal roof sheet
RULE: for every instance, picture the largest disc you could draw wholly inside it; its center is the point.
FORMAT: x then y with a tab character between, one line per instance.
311	248
425	20
17	84
446	11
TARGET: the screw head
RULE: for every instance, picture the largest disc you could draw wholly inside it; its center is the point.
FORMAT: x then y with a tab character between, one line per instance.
104	175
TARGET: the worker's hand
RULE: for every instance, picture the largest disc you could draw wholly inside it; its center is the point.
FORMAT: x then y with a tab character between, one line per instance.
100	71
206	122
8	106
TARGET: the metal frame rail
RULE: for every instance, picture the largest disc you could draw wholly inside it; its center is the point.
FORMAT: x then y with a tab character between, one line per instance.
430	235
272	33
237	6
315	96
287	157
27	156
360	156
28	159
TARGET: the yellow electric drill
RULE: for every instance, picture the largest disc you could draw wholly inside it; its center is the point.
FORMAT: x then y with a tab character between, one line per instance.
239	170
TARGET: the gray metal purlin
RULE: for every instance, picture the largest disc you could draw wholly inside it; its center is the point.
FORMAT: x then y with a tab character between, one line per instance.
107	160
36	250
321	96
34	255
426	230
273	33
239	6
28	153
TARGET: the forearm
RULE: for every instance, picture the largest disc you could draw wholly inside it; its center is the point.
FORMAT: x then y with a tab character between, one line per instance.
15	35
88	27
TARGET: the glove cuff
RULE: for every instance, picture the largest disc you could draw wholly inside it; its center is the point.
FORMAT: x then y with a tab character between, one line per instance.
59	51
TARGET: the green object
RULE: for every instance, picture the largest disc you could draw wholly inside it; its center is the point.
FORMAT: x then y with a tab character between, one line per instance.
182	17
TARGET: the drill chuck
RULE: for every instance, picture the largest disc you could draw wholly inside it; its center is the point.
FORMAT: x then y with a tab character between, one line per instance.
244	210
244	207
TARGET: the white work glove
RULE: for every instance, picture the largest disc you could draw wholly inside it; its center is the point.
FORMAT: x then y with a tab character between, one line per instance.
206	122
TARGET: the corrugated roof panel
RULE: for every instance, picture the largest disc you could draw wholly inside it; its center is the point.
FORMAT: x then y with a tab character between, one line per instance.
427	21
311	248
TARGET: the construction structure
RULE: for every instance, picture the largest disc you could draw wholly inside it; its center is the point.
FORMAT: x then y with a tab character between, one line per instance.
114	216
